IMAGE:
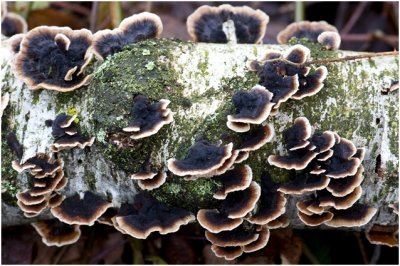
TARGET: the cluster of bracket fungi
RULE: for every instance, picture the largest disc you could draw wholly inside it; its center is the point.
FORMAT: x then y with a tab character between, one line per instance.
324	164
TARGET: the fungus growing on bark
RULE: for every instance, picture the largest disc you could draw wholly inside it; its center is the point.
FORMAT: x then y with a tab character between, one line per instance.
344	186
216	222
15	42
38	70
40	165
13	24
201	159
383	235
83	210
280	222
131	30
297	159
239	203
235	237
356	215
55	199
56	233
305	29
147	215
154	182
330	40
242	156
304	182
252	107
315	219
260	243
26	198
234	180
148	118
47	184
66	134
228	253
272	202
255	139
296	137
395	207
339	203
208	24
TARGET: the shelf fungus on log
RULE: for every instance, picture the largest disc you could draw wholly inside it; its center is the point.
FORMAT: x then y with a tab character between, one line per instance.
13	24
202	159
315	31
148	118
284	76
216	222
54	58
147	215
334	174
233	180
66	134
252	107
387	235
83	210
227	23
56	233
131	30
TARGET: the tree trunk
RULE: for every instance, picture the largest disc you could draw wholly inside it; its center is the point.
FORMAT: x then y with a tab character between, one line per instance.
199	80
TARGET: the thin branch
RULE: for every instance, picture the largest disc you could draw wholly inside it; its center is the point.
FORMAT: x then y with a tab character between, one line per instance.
334	60
299	11
376	255
93	16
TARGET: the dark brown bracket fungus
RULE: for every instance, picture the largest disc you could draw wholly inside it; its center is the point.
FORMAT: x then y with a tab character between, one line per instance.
234	180
55	199
239	203
216	222
297	159
357	215
387	235
210	24
255	139
131	30
146	215
15	42
148	118
235	237
272	202
83	210
252	107
258	244
13	24
339	203
154	182
228	253
66	134
305	182
296	137
344	186
315	219
44	60
202	158
316	31
56	233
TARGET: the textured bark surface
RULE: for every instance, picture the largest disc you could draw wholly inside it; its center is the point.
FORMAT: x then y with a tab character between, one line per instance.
199	80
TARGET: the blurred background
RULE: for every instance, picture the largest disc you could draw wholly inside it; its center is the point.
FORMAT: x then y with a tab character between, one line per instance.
363	26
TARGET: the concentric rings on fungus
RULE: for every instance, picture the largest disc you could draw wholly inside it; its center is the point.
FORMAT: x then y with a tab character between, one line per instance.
236	179
296	137
207	24
13	24
255	139
146	215
83	210
344	186
148	118
232	238
216	222
305	182
56	233
356	215
42	62
201	159
131	30
154	182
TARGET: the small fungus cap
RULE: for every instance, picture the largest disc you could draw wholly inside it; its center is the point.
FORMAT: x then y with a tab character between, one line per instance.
13	24
252	106
84	211
357	215
235	237
297	136
206	24
202	158
315	219
383	235
304	29
236	179
330	40
153	183
260	243
305	182
216	222
56	233
38	70
228	253
131	30
255	139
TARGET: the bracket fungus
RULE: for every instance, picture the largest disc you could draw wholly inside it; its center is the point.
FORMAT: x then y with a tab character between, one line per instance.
201	159
333	174
131	30
148	118
252	107
66	134
147	215
209	24
315	31
387	235
13	24
56	233
63	69
233	180
284	75
83	210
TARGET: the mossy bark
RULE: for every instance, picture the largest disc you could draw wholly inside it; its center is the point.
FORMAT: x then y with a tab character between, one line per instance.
199	80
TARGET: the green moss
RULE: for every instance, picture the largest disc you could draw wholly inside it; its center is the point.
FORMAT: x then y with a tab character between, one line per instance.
9	177
316	49
90	180
36	95
191	195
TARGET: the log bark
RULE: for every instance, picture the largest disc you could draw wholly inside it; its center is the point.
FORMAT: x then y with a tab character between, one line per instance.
199	80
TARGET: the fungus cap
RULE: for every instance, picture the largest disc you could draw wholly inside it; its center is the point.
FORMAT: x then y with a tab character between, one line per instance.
297	159
56	233
153	183
344	186
13	24
216	222
304	29
305	182
297	136
84	211
383	235
330	40
260	243
38	70
235	237
326	199
356	215
315	219
228	253
256	139
234	180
